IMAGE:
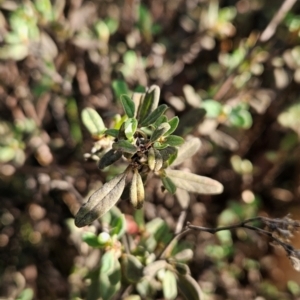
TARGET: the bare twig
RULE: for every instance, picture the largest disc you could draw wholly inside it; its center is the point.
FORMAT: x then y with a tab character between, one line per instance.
276	20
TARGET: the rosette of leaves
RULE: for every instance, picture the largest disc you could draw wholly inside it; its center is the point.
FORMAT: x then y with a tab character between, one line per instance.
144	138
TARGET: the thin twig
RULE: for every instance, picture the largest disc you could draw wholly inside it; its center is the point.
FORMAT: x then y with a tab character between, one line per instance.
276	20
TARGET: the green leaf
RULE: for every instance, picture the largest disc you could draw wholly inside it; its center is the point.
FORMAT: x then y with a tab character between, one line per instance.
120	88
184	256
157	231
101	201
173	123
132	268
26	294
130	128
6	153
118	226
72	113
45	8
174	140
169	184
109	158
124	146
112	132
91	239
240	118
187	150
92	121
169	285
110	276
108	262
169	154
152	117
194	183
160	120
188	287
149	103
181	268
144	288
159	132
128	105
189	121
213	108
112	24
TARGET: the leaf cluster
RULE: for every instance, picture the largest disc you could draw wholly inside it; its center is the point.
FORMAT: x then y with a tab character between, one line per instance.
144	138
140	264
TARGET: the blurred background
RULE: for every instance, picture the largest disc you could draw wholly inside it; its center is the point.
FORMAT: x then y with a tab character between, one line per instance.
240	60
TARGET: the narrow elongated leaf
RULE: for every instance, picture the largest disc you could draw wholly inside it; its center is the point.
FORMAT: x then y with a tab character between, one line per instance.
169	285
110	276
92	121
173	123
132	268
124	146
174	140
109	158
101	201
188	287
149	103
159	131
194	183
112	132
119	87
137	191
128	105
189	121
160	120
130	128
169	184
152	117
187	150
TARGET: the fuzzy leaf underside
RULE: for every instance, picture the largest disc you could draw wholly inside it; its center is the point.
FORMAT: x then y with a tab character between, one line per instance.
101	201
187	150
194	183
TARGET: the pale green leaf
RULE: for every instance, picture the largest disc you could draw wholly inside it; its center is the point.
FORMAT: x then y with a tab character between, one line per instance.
169	285
188	287
92	121
187	150
194	183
